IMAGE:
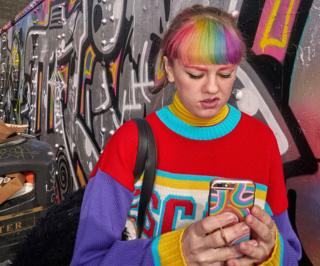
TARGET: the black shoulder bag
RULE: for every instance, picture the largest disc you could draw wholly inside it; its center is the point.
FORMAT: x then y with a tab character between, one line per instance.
52	240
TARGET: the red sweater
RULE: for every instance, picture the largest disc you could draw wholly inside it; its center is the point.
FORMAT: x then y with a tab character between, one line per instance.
188	159
239	147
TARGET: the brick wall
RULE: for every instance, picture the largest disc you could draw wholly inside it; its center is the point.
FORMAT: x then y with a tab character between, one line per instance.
10	8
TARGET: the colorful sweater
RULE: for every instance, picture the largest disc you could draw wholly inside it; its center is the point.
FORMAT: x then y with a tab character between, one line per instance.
189	158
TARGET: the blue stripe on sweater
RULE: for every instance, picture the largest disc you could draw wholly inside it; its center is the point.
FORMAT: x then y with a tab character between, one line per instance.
184	176
155	253
200	133
281	250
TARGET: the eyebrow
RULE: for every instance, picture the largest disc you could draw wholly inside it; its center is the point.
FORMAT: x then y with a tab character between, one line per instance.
204	68
200	68
226	68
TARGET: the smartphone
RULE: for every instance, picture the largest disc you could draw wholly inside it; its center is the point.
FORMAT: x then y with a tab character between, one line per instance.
232	195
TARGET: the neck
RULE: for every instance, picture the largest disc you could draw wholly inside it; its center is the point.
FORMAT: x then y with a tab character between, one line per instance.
178	109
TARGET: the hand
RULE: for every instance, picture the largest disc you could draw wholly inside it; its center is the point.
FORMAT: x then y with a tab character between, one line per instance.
16	128
204	244
8	129
261	246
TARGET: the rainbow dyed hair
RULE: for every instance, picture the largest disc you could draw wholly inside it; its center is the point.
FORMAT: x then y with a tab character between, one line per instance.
203	35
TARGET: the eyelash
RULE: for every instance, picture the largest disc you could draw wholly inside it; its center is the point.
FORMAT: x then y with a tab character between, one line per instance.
225	76
195	76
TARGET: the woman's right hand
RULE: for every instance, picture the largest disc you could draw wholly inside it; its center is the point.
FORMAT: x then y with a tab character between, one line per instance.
203	242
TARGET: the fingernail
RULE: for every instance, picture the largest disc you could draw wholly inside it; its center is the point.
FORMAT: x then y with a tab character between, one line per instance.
255	210
253	243
243	246
249	219
244	228
230	217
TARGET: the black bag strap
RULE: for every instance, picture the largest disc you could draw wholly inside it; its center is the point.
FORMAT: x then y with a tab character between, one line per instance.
142	148
146	162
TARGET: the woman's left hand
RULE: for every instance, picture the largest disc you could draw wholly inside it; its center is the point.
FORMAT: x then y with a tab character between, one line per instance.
260	247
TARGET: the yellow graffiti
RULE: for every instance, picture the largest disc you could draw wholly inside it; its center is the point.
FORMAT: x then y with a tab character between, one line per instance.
266	40
80	175
22	213
160	74
51	105
45	10
71	3
63	73
114	70
43	23
39	100
15	57
89	59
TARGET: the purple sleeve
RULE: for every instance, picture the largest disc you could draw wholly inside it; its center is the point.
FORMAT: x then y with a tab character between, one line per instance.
291	248
103	214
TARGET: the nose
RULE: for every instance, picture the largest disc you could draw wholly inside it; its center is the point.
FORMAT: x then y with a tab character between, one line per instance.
211	86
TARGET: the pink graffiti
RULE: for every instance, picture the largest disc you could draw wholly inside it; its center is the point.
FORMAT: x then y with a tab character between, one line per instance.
275	26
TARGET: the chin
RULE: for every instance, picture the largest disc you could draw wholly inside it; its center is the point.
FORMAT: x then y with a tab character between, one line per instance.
206	115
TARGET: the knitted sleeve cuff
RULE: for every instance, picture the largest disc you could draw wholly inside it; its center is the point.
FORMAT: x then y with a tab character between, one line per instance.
277	254
167	249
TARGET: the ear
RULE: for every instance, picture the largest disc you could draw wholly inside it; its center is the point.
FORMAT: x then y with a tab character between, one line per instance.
168	69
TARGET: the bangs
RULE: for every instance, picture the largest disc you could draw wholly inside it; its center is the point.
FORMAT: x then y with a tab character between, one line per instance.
203	41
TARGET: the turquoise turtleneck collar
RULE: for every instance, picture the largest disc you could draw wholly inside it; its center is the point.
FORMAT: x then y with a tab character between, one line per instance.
219	130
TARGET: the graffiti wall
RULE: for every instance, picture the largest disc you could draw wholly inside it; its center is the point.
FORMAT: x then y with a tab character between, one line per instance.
75	70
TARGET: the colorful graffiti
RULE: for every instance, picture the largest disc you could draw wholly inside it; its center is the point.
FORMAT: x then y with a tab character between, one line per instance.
275	27
75	70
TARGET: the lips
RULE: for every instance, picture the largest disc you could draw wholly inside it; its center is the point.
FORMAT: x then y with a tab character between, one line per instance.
209	103
209	100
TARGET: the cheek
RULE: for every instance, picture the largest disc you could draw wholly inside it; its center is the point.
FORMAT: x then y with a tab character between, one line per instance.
184	86
186	94
181	81
228	89
227	86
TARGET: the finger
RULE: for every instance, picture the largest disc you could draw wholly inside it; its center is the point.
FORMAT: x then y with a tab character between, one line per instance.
209	256
261	229
263	216
222	237
252	242
212	223
245	261
17	127
253	250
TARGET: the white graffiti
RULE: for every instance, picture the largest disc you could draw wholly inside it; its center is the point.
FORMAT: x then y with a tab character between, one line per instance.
144	83
104	87
252	101
232	5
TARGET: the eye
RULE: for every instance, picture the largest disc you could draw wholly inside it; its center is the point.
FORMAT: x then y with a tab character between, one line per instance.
195	76
225	75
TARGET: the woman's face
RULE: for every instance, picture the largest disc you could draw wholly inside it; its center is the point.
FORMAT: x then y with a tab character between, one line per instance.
203	89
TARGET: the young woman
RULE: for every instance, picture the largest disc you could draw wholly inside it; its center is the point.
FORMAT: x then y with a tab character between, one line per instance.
199	138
